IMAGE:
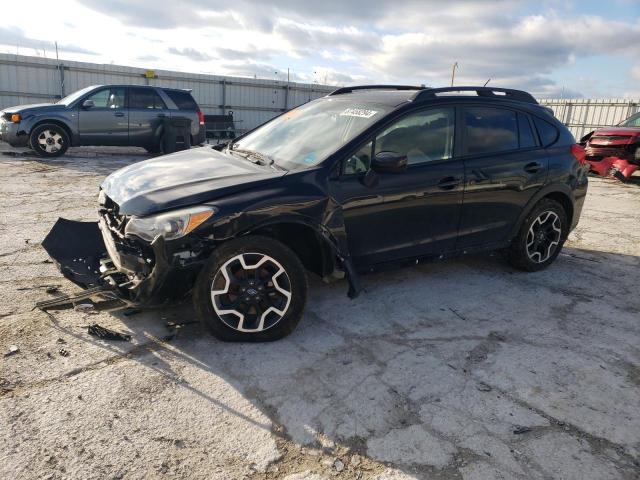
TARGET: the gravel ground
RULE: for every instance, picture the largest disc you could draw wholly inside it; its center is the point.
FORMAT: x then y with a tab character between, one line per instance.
459	369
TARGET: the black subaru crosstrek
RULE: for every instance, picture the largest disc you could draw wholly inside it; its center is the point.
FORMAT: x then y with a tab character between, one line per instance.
362	178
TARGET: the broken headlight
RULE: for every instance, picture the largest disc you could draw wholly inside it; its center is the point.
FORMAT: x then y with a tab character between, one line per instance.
171	225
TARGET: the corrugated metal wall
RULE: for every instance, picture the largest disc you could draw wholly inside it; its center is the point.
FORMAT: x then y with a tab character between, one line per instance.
585	115
25	79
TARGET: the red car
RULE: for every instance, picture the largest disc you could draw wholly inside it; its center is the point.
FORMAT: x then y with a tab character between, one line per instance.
615	151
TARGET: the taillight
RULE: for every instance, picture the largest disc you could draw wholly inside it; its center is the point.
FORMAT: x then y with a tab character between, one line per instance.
200	117
579	152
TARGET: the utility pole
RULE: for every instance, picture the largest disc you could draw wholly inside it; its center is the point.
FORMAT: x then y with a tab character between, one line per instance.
453	72
61	69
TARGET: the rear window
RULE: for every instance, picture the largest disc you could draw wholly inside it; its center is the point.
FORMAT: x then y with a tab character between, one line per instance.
547	132
490	130
183	100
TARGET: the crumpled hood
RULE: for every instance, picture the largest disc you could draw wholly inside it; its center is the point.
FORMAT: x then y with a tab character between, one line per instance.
181	179
613	131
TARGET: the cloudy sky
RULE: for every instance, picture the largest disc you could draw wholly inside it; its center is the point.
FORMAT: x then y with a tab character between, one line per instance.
552	48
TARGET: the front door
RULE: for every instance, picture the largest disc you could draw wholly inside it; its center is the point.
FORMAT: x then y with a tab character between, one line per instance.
504	168
147	113
106	122
408	214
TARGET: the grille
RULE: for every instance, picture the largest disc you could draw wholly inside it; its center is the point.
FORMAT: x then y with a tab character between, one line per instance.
116	223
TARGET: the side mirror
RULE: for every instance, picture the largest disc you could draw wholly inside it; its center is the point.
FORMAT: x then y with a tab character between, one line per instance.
389	162
88	104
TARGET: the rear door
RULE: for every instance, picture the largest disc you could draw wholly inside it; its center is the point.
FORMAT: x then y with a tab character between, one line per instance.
107	122
147	112
504	167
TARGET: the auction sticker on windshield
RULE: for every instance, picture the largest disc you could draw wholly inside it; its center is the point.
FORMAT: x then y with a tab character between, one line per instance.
358	112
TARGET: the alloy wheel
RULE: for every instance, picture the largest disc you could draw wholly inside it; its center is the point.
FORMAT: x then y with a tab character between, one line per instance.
544	236
251	292
50	141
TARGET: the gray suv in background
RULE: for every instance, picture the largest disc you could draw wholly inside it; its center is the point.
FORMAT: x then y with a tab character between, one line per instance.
120	115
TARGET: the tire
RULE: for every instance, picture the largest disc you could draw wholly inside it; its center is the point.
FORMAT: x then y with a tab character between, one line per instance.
269	312
49	140
532	251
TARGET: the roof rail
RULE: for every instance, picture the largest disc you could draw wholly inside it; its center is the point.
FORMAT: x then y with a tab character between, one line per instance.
342	90
493	92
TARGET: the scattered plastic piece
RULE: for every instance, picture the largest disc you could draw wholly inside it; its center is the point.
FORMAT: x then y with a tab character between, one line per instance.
107	334
520	430
13	349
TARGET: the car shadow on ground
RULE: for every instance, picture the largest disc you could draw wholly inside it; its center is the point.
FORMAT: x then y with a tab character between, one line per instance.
432	367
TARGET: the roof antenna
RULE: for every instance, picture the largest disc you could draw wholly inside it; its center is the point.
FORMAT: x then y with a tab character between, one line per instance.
485	83
453	72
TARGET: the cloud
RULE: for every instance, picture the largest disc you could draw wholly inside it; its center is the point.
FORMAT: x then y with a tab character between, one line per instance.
513	42
190	53
15	36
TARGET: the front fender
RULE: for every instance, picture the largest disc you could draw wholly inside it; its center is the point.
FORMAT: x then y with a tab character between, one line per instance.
68	119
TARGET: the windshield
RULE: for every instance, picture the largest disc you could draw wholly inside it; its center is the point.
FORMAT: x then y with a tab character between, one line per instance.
632	121
305	136
69	99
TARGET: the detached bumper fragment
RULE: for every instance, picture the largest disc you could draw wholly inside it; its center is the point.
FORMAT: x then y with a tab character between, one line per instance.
77	249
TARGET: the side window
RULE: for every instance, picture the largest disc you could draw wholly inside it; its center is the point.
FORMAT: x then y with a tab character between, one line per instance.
489	130
108	98
145	98
527	140
423	136
359	161
548	133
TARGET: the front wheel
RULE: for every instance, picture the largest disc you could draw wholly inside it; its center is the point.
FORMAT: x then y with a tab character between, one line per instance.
540	238
253	289
49	140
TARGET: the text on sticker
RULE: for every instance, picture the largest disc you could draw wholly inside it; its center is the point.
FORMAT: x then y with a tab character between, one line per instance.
358	112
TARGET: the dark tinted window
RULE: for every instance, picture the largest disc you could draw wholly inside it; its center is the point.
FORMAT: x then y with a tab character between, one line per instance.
183	100
527	139
145	98
547	132
423	136
108	98
490	130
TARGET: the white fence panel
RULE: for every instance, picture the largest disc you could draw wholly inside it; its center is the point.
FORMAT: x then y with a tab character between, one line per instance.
585	115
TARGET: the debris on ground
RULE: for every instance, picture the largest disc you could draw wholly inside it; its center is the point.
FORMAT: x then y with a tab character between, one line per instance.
85	308
338	465
13	349
483	387
176	325
520	430
52	289
104	333
131	312
63	352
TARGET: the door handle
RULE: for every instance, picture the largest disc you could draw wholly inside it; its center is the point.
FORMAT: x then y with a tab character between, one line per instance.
119	114
448	183
532	167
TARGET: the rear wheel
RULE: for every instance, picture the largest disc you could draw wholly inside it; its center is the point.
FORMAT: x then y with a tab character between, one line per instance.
540	238
49	140
253	289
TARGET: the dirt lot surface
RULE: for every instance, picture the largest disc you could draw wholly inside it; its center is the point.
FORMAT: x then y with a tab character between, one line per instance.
459	369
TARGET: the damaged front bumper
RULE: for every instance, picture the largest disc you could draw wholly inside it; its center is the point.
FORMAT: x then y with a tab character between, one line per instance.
120	272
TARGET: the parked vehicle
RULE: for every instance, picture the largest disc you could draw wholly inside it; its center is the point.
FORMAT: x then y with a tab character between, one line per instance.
615	151
360	179
121	115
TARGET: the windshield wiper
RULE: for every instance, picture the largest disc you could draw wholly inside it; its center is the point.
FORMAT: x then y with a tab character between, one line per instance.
261	158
